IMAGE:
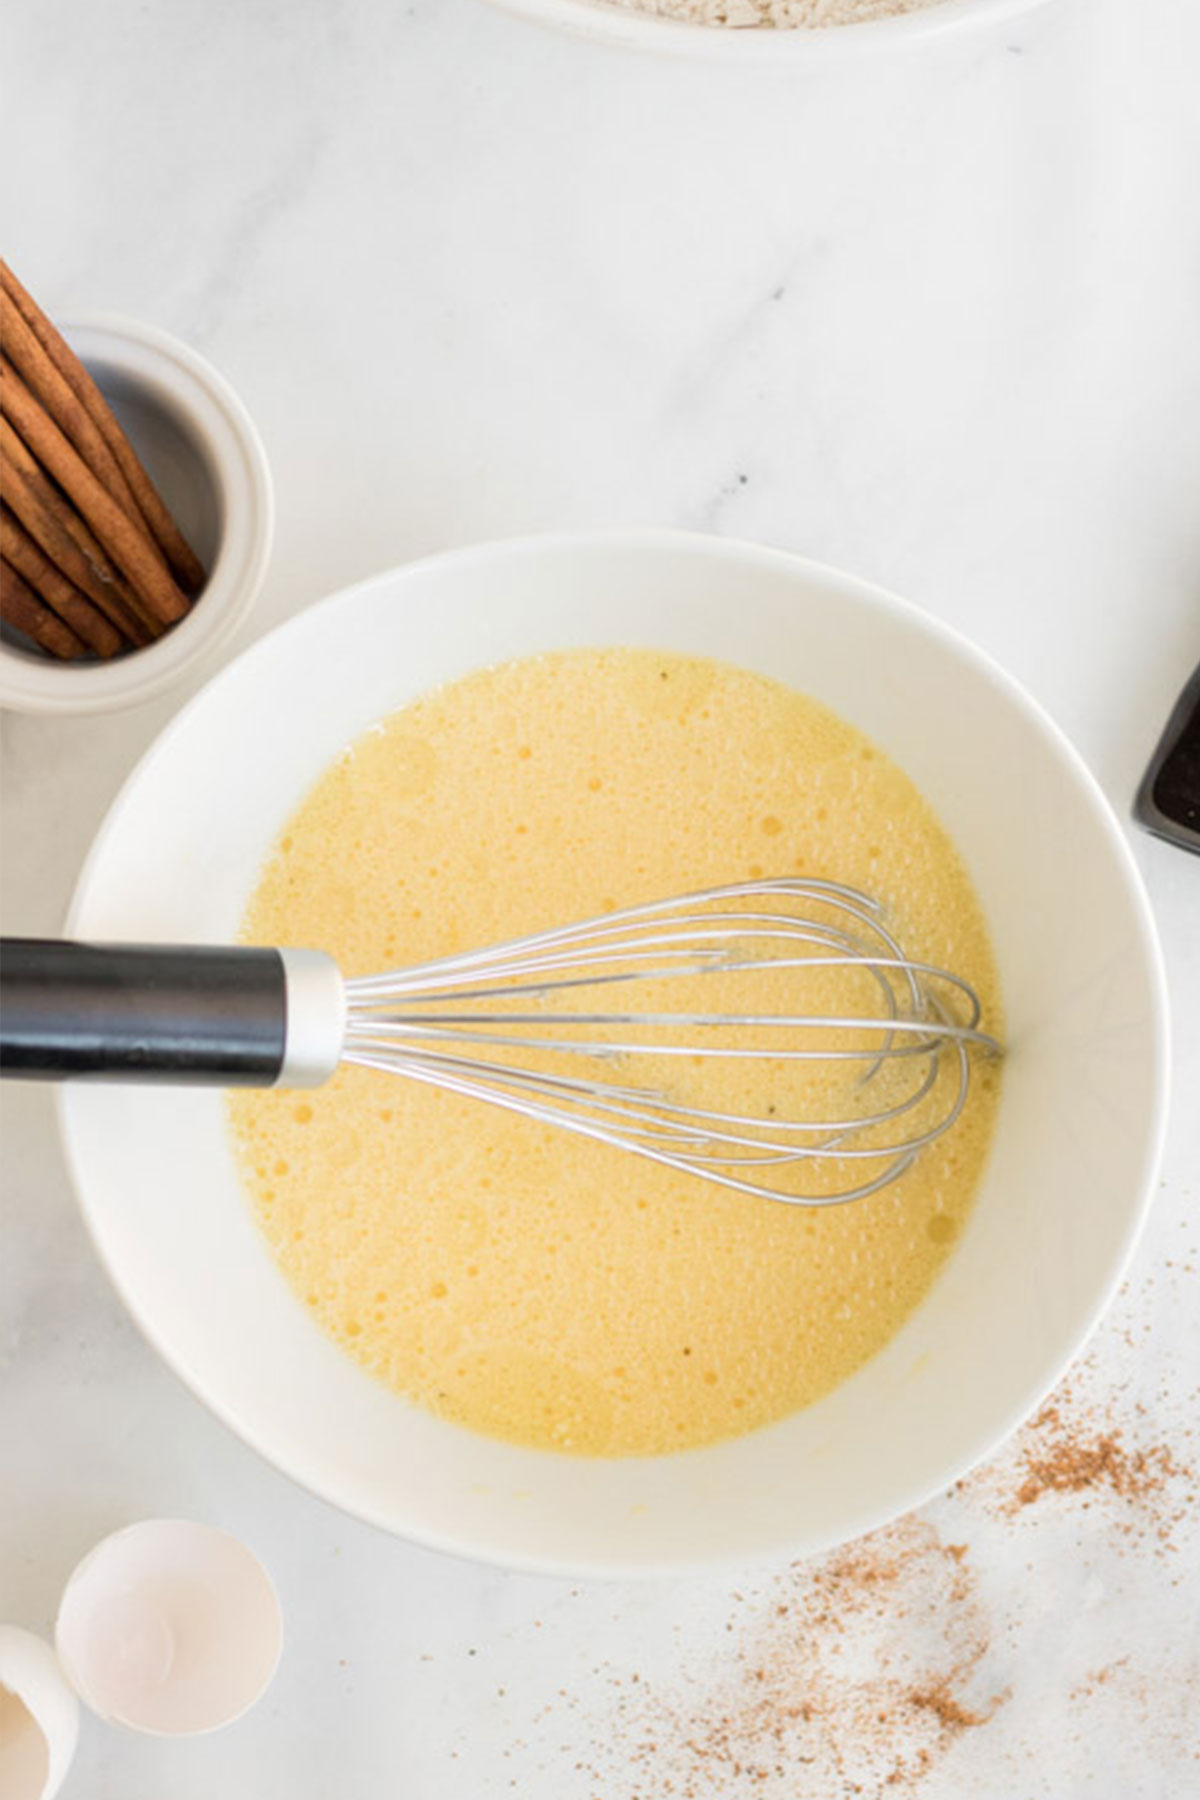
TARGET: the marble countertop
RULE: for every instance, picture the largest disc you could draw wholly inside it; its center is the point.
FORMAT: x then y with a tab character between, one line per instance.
933	319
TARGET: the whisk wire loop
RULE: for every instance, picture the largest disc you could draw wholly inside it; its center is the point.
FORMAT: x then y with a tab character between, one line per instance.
454	1023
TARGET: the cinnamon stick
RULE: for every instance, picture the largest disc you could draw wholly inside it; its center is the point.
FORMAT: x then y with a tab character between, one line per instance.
54	590
174	546
21	608
66	540
32	362
134	553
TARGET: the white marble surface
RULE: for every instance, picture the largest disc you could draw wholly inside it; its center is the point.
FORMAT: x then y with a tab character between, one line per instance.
934	319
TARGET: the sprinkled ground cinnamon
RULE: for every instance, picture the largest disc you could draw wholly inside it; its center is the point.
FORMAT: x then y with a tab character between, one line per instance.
860	1670
1146	1488
1071	1463
860	1674
952	1713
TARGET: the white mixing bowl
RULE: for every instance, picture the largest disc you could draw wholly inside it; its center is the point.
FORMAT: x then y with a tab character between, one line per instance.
1081	1116
604	23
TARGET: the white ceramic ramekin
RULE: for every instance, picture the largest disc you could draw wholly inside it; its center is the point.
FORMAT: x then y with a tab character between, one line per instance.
623	28
205	456
1081	1114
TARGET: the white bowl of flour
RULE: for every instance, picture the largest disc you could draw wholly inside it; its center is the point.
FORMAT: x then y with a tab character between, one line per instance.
763	31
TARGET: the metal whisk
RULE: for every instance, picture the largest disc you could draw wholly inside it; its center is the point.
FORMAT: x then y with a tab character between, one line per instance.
526	1026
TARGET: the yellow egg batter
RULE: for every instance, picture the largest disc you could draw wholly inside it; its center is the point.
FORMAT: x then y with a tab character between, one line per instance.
530	1284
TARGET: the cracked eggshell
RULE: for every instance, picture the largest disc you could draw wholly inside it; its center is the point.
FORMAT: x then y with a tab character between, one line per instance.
39	1718
170	1627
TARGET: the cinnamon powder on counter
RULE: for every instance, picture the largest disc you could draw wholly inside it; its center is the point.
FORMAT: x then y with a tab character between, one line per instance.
854	1675
859	1674
1071	1463
1066	1450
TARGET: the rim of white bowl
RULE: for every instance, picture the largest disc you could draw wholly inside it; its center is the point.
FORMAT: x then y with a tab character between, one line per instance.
606	23
224	433
990	1438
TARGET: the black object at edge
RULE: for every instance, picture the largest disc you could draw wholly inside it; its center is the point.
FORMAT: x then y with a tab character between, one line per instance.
1168	801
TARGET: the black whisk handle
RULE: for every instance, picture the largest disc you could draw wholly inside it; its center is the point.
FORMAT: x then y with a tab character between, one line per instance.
155	1013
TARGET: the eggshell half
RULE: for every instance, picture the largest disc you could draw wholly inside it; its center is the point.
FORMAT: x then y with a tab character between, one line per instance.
39	1718
170	1627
